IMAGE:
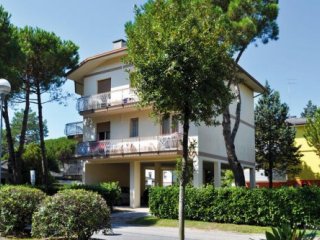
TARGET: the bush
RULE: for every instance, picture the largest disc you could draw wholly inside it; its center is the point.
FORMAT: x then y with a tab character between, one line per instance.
286	232
264	207
110	191
71	213
17	203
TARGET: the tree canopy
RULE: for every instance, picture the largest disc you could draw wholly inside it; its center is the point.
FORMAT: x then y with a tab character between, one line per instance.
275	139
32	133
180	64
312	131
47	60
309	110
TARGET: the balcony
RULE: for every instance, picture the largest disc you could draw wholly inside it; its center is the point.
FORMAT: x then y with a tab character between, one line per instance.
73	129
107	100
130	146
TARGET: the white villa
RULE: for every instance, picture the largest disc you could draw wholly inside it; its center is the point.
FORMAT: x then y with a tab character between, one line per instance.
123	143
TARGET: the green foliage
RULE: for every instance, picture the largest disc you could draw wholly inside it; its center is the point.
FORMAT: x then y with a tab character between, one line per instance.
17	203
227	178
263	207
71	213
32	161
178	58
32	133
60	149
275	139
9	49
110	191
286	232
309	111
312	131
47	58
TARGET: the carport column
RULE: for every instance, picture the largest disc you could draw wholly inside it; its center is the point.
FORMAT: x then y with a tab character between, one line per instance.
135	184
84	172
157	174
197	172
217	174
252	177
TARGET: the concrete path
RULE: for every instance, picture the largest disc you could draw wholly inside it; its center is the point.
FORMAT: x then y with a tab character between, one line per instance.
123	231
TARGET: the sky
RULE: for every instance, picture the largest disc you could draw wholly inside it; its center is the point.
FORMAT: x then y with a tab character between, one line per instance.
291	65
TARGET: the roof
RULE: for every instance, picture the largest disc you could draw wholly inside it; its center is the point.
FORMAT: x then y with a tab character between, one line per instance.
89	64
296	121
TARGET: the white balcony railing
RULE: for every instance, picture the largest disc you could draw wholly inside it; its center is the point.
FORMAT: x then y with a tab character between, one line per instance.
74	128
139	145
108	99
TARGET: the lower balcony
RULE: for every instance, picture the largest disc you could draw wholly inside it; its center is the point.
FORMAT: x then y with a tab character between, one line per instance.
130	146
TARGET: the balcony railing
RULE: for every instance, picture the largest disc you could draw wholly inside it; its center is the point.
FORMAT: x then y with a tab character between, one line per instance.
72	129
106	100
139	145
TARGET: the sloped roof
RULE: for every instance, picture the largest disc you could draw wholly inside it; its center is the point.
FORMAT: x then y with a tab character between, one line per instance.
296	121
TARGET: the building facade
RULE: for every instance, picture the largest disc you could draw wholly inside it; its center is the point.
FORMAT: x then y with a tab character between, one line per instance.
310	166
123	143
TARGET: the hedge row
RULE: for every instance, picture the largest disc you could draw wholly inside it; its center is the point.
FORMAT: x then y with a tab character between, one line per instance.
265	207
110	191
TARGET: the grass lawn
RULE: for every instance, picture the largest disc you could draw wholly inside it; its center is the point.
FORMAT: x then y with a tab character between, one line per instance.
154	221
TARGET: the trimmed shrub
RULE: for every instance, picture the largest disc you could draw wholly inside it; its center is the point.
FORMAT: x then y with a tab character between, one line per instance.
264	207
17	203
110	191
71	214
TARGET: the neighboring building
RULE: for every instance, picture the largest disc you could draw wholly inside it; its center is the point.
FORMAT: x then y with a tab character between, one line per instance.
123	143
310	173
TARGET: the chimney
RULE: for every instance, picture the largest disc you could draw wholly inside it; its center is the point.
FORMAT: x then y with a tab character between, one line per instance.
120	43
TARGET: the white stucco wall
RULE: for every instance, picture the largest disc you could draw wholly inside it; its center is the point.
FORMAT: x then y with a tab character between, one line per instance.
211	139
96	173
119	77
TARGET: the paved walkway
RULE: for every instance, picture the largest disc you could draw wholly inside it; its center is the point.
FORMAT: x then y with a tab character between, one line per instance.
124	231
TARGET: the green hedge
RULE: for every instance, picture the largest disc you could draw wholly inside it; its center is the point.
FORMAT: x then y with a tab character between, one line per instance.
17	203
110	191
265	207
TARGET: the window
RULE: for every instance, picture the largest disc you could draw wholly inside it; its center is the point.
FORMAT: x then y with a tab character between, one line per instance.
103	131
174	124
165	125
104	85
168	126
134	127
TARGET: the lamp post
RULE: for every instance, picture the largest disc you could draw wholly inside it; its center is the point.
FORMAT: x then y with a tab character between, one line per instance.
5	89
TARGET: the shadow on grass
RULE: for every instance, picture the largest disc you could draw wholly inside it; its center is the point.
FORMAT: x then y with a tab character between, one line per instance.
144	221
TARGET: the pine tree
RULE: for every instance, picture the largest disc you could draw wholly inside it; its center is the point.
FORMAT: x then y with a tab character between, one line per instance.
309	110
275	148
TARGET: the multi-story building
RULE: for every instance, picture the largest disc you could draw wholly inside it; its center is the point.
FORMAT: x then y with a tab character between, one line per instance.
122	142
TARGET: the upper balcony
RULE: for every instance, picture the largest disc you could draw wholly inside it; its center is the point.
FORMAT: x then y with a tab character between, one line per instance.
108	100
164	144
73	129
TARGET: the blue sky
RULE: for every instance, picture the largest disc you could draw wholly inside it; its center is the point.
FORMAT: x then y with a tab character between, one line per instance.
291	64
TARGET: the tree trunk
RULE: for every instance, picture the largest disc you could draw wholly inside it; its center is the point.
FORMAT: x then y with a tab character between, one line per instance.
230	135
231	152
44	163
182	186
14	168
24	127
